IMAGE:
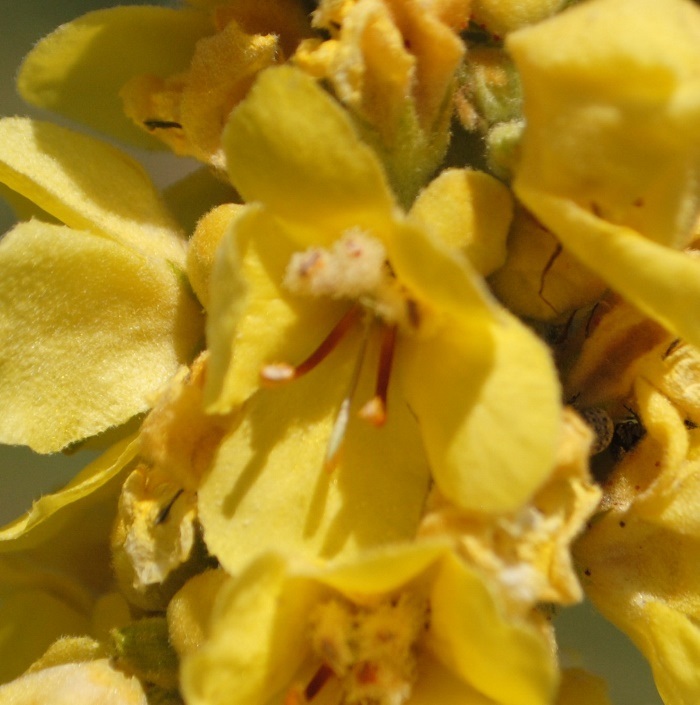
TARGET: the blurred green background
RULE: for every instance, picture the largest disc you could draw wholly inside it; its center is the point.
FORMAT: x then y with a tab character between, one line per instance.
586	639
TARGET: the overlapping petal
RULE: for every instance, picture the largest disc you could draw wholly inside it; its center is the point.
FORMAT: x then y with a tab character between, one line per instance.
640	556
289	137
79	69
268	486
54	561
88	185
259	646
90	330
609	154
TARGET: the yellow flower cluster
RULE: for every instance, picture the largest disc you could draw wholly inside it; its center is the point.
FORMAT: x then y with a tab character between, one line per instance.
410	364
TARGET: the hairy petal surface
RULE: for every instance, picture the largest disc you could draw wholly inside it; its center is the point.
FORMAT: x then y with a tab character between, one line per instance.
88	185
78	69
90	330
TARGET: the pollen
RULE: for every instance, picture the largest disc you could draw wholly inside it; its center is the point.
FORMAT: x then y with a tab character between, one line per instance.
371	649
352	268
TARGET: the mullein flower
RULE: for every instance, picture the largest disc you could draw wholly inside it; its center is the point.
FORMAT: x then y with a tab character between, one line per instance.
526	553
95	309
341	257
638	558
55	563
406	624
392	63
612	171
178	72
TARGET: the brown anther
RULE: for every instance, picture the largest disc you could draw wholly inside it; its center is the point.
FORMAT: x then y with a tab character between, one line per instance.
320	678
280	372
298	696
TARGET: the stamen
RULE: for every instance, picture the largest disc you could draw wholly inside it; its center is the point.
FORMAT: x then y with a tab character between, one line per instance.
335	442
318	681
280	372
374	410
298	697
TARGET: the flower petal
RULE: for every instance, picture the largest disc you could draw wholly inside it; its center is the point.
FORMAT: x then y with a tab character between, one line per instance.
256	639
289	136
89	330
471	211
490	415
437	684
614	125
268	488
462	607
661	282
32	619
253	320
95	683
79	68
50	512
87	184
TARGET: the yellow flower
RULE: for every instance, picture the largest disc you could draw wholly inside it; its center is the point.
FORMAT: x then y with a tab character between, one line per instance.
526	553
639	557
55	562
93	682
500	17
462	365
95	309
408	624
392	63
609	153
179	72
156	541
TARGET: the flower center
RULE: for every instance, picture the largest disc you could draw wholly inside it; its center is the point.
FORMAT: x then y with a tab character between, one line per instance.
370	650
355	268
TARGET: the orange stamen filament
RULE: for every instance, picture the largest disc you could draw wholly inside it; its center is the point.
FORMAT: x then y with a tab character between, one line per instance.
335	442
280	372
374	410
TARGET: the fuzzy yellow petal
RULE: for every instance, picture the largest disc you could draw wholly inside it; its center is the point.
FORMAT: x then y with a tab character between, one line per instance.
203	245
540	279
51	511
490	415
289	137
468	210
256	639
193	106
662	282
87	184
252	319
382	570
613	125
32	619
268	488
509	661
437	684
94	683
89	329
190	609
503	16
639	558
79	68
